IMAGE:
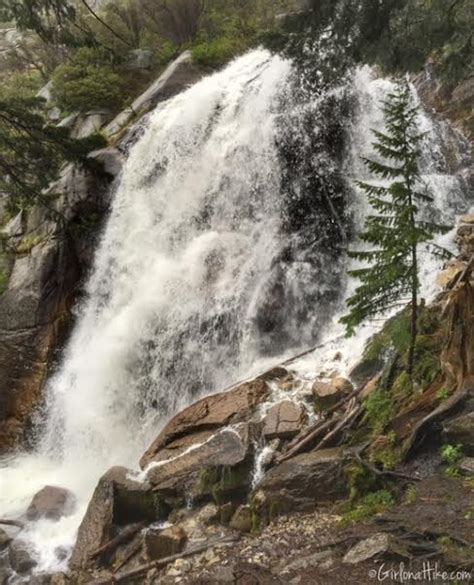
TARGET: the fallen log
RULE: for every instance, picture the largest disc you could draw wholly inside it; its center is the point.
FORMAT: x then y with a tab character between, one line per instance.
121	577
353	412
310	435
112	544
129	556
15	523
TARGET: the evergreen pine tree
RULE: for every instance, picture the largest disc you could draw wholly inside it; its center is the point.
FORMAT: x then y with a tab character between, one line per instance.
395	232
32	151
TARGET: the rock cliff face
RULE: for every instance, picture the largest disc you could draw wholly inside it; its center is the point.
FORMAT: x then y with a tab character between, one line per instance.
51	250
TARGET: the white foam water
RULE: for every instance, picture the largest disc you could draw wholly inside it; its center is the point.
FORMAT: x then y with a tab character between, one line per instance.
194	230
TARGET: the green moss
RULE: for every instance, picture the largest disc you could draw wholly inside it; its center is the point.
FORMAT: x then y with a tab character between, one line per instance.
369	505
361	481
386	451
380	408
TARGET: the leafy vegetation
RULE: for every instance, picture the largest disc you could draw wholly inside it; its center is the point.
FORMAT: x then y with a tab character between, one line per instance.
397	35
28	143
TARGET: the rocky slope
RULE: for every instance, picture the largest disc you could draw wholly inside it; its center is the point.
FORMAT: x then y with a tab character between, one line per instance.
278	481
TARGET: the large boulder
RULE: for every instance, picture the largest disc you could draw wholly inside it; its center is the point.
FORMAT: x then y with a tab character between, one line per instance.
52	503
284	420
218	468
301	483
118	500
209	414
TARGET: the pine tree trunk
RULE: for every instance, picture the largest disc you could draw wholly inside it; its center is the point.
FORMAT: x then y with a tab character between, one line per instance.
414	313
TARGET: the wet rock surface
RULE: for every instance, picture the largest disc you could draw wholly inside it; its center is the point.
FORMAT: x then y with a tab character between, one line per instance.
210	413
51	502
20	556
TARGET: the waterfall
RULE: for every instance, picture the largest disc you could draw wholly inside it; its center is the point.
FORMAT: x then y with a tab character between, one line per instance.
201	262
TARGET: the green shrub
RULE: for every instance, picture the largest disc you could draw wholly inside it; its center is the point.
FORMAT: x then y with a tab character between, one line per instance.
451	454
217	52
21	85
88	82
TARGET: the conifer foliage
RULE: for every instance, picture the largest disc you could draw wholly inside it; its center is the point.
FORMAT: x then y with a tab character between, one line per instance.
32	151
395	232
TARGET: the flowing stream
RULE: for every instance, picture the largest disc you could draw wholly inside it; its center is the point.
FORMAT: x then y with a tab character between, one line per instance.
192	277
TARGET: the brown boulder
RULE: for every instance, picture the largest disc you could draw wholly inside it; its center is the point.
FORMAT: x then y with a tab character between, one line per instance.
117	501
301	483
52	503
210	413
161	543
284	420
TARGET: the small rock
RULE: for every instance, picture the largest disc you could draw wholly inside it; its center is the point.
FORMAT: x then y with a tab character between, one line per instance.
52	503
61	553
468	218
309	561
59	579
20	557
466	465
223	575
376	545
164	543
327	394
5	539
5	575
242	519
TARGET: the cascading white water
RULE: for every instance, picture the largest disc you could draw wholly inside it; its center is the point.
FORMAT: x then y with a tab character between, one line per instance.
179	277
